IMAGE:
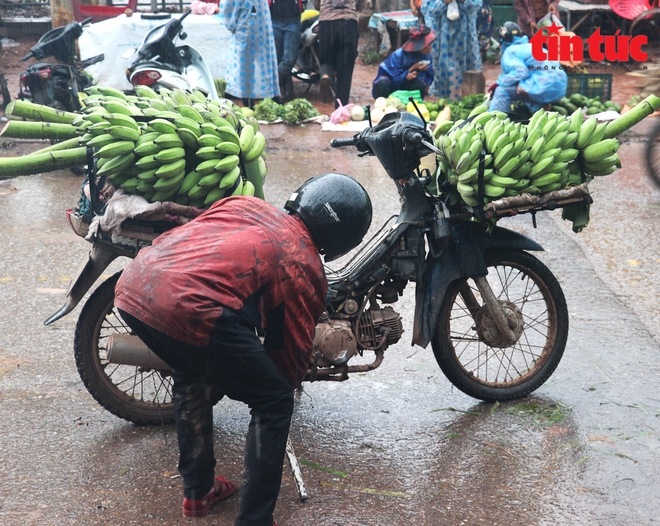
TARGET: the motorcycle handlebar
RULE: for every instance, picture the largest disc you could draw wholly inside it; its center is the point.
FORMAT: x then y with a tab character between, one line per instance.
341	143
28	56
86	21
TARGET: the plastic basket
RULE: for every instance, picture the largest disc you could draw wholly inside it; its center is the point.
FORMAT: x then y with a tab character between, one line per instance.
503	13
590	85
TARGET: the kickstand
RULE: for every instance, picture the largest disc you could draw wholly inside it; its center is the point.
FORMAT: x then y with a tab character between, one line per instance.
295	469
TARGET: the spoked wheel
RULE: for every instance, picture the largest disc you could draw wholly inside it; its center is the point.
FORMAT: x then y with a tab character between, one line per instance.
132	393
653	154
5	97
471	351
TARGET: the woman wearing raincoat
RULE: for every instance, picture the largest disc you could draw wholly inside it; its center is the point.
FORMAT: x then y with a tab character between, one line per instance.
523	77
252	60
456	49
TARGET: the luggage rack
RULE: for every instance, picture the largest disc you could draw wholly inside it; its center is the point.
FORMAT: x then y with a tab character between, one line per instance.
526	203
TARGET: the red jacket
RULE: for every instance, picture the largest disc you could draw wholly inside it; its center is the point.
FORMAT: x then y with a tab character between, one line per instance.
244	254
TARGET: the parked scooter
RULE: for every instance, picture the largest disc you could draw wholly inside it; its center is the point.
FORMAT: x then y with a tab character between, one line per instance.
494	314
307	68
160	62
57	84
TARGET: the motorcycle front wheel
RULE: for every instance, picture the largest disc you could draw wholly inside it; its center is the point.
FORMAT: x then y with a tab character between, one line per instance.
468	347
140	396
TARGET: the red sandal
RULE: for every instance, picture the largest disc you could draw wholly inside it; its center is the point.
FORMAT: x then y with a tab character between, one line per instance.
221	489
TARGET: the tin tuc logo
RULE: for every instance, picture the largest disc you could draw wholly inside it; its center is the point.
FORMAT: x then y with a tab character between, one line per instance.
569	47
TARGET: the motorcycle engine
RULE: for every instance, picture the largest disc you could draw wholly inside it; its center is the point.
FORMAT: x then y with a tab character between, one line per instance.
335	342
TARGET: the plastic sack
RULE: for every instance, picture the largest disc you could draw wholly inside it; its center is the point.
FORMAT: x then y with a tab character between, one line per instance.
341	114
452	10
540	80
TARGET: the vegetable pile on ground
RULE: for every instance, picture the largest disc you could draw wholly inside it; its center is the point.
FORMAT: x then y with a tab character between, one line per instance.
552	152
293	112
167	146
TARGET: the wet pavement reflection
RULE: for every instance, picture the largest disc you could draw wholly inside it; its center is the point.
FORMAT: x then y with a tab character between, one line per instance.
396	446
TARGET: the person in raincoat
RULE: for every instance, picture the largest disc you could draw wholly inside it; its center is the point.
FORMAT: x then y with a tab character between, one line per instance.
252	59
531	11
523	77
409	67
456	49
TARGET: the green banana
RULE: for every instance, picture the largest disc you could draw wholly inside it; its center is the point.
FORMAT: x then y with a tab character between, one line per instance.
585	132
115	149
169	155
209	152
190	180
229	178
505	182
169	140
162	126
599	151
188	137
119	119
147	163
598	134
493	191
256	148
164	184
116	164
206	167
171	169
147	148
245	138
208	139
540	167
214	195
228	148
228	163
211	180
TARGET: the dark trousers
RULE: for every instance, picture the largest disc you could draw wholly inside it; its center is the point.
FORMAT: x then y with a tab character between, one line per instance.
338	44
383	87
234	364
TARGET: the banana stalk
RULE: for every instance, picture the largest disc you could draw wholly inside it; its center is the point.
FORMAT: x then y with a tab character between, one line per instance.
62	145
23	109
38	130
253	174
626	121
43	162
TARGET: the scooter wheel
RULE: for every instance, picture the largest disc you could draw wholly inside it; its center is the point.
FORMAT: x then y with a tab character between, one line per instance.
472	353
140	396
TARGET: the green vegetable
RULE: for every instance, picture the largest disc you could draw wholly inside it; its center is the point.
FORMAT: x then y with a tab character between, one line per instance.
462	107
298	110
267	110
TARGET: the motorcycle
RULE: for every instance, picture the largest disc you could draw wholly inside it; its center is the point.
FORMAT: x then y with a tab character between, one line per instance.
494	314
159	62
57	84
307	68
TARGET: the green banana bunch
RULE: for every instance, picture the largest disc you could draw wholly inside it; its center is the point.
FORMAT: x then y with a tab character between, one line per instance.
551	152
173	145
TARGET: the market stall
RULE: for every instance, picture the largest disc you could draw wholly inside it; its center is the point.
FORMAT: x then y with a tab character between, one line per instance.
116	36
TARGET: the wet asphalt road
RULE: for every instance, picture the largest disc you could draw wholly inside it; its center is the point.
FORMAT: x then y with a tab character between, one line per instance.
397	446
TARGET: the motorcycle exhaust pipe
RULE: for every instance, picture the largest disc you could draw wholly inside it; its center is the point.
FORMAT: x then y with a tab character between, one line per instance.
126	349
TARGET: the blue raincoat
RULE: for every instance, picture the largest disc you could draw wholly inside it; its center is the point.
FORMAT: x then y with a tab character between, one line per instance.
252	59
457	47
543	82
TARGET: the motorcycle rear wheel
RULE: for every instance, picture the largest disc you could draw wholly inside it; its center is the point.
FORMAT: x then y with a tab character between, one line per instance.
491	373
652	154
140	396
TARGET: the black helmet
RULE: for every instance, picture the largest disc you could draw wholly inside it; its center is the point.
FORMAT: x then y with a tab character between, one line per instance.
507	31
335	209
